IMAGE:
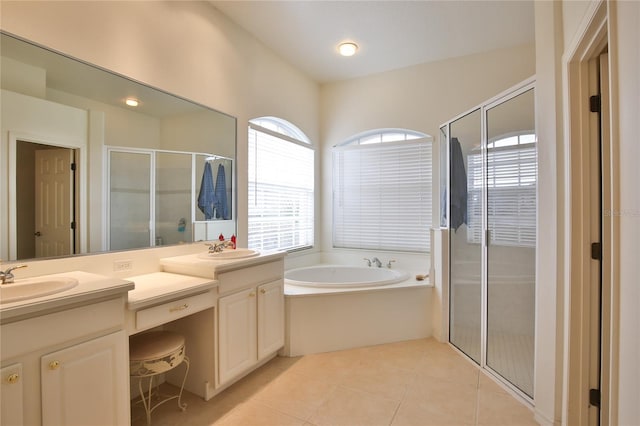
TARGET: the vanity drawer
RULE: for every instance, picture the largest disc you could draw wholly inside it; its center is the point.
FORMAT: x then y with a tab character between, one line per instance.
179	308
250	276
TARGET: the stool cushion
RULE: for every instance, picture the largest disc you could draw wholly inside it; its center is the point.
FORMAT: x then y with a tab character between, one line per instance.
155	352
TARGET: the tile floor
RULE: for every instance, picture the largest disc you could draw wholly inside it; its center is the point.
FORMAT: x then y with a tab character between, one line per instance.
418	382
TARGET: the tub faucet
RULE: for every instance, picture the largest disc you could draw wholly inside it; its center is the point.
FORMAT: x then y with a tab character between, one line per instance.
218	246
377	262
7	277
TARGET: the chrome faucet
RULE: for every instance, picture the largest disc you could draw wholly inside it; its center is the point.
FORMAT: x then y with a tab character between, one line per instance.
218	246
7	277
377	262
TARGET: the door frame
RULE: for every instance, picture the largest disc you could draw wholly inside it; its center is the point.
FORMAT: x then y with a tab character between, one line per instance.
579	215
80	184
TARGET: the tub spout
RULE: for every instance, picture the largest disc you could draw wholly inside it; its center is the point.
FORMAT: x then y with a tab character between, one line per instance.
377	262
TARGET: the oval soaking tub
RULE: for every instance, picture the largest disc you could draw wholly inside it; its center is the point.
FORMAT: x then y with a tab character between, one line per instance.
338	276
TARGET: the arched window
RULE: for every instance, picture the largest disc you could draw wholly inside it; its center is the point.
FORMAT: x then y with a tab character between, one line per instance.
382	191
281	186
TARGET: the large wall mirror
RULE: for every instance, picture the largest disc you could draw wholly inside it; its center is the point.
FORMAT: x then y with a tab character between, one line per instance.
84	172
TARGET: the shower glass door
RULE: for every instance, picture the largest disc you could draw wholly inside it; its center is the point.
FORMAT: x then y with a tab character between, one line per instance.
465	225
511	176
130	176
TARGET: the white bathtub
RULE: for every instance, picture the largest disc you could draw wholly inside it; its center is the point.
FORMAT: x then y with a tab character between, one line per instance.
331	307
338	276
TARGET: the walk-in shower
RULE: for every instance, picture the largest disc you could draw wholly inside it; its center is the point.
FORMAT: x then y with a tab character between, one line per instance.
490	212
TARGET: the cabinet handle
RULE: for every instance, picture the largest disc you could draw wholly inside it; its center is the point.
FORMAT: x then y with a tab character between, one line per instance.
53	365
13	378
179	308
263	291
252	294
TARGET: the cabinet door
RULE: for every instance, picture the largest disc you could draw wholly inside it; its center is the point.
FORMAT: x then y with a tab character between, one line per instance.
87	384
270	318
237	347
11	394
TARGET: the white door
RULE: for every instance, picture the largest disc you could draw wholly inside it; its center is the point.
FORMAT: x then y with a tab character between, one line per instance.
237	346
270	318
54	202
11	394
87	384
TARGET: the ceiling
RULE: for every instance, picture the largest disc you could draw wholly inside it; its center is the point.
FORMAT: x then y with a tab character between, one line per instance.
391	34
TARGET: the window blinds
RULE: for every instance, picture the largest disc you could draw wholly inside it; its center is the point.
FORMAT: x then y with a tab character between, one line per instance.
511	196
382	196
281	183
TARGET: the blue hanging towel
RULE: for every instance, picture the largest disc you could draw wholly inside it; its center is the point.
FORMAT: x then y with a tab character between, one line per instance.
458	207
207	196
222	212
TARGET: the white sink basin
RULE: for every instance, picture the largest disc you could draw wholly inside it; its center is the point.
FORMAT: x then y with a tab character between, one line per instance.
28	288
230	254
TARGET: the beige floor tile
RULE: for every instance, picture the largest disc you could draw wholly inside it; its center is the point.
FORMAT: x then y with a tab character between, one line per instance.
447	364
379	378
350	407
296	395
413	414
443	398
255	413
486	383
331	366
496	408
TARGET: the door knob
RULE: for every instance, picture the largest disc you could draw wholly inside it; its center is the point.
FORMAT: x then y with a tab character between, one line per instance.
38	234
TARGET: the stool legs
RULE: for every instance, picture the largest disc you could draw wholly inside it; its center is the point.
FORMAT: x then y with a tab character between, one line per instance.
146	400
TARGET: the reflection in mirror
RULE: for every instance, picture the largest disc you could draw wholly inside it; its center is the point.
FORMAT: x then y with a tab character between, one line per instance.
137	170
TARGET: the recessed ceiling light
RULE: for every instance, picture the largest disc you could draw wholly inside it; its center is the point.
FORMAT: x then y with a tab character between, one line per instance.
348	48
131	102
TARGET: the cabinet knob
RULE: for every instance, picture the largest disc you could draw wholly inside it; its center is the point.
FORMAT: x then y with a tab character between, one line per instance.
54	365
263	291
13	378
252	294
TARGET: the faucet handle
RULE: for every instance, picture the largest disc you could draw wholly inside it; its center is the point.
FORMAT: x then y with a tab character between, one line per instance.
368	261
389	263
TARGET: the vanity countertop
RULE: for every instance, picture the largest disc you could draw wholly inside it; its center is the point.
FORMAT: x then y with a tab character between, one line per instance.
197	265
90	287
158	287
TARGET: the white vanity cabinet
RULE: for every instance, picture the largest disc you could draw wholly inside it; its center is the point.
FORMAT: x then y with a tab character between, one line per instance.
11	394
67	367
250	318
82	384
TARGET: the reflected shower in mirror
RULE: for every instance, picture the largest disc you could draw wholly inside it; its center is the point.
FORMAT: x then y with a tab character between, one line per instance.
89	173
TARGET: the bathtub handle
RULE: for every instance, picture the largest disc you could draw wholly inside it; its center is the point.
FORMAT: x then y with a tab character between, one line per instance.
368	261
389	263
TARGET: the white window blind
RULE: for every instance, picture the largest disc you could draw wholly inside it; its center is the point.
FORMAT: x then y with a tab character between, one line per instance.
281	183
382	196
511	196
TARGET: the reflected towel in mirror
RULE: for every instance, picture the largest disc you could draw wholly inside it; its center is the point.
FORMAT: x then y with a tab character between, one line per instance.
207	197
222	212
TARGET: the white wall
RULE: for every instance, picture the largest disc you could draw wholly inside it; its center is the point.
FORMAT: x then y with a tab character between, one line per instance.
625	33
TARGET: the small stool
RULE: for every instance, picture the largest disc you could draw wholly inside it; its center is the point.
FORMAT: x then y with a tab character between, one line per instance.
154	353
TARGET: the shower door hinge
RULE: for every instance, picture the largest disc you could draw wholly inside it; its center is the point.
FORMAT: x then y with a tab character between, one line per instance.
596	251
594	397
594	103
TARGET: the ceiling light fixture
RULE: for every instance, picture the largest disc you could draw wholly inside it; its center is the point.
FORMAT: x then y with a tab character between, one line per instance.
131	102
348	48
